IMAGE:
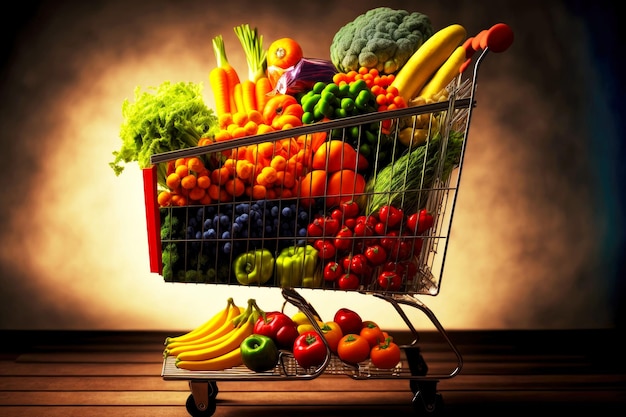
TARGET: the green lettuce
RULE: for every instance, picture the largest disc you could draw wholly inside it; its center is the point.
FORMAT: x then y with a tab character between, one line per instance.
169	117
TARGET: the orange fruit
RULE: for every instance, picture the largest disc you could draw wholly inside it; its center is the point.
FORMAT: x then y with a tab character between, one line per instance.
284	53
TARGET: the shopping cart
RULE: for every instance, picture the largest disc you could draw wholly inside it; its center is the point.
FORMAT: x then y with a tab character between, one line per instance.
186	246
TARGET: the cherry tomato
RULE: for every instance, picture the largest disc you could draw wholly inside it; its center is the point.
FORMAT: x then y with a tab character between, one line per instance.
332	271
349	282
385	355
343	240
389	280
325	248
376	254
309	349
350	223
372	333
350	209
420	222
391	216
353	348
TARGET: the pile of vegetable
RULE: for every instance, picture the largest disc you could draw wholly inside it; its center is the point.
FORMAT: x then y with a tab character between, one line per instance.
344	207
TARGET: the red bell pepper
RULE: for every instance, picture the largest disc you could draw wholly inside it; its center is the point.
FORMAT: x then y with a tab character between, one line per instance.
279	327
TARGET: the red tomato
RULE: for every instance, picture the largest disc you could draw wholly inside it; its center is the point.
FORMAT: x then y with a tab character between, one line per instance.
309	349
348	320
343	240
332	271
349	282
372	333
389	280
350	209
353	348
376	254
385	355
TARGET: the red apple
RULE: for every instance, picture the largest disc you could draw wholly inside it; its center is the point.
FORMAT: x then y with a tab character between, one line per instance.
349	321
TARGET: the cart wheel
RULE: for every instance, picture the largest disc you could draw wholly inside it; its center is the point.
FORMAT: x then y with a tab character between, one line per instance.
213	390
426	400
193	410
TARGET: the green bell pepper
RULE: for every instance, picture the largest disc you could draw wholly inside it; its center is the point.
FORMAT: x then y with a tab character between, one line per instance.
254	267
298	266
259	353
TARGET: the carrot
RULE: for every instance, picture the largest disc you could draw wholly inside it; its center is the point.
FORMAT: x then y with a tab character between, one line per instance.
231	73
218	81
263	88
248	95
256	116
238	96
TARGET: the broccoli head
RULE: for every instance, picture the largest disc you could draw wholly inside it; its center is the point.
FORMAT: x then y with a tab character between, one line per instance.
382	38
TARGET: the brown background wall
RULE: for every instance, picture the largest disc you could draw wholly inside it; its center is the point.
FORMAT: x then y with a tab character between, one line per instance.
537	235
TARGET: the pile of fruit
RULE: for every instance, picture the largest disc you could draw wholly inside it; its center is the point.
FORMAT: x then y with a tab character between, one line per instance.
251	337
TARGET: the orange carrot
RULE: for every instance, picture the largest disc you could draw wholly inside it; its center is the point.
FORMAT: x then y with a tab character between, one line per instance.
231	73
218	81
263	88
248	95
238	96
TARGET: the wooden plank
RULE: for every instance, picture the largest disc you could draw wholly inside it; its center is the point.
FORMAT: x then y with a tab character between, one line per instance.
321	384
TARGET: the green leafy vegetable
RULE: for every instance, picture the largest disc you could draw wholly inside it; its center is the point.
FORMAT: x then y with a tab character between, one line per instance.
170	117
407	182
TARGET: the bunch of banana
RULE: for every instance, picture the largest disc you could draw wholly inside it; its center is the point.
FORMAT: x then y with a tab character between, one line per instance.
218	325
221	351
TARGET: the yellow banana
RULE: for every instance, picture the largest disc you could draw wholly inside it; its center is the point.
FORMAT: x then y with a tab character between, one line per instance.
427	59
446	73
233	341
175	348
206	328
219	363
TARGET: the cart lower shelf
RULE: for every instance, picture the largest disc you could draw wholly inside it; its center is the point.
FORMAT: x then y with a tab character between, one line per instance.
286	369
